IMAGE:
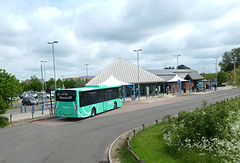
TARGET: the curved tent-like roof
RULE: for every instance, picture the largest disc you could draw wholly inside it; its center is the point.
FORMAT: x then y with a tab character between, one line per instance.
112	81
125	72
176	78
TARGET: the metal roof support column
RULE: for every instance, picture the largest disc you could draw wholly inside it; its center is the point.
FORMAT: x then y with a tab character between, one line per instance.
173	88
164	87
123	93
134	92
180	85
189	85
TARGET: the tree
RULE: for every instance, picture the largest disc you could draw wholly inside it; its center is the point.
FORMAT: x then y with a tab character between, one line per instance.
183	67
227	63
169	67
25	86
70	83
235	75
9	88
80	83
35	84
222	77
59	83
51	84
211	76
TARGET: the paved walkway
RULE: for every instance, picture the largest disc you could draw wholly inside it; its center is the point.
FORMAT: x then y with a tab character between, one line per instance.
15	116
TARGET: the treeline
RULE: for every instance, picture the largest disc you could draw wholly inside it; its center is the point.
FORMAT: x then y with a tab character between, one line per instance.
35	84
227	73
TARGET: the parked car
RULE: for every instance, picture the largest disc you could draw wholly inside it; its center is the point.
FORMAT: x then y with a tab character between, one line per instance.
29	101
24	95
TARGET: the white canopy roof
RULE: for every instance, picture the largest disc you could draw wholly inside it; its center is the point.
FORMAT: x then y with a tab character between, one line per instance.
112	81
176	78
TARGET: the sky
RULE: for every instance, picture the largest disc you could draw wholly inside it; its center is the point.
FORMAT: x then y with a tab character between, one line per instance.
97	32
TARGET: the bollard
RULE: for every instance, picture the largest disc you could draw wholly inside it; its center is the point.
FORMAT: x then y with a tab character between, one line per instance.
25	109
10	118
21	109
143	126
134	133
32	115
156	122
32	108
42	109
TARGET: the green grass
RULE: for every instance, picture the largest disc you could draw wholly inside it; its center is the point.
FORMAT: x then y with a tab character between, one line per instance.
124	156
15	107
149	145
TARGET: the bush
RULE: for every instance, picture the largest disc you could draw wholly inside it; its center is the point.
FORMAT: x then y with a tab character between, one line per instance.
3	122
212	130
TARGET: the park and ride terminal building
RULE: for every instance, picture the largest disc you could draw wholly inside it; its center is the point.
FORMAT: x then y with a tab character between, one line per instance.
152	82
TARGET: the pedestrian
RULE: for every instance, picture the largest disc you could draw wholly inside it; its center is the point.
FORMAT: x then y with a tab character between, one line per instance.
193	88
168	90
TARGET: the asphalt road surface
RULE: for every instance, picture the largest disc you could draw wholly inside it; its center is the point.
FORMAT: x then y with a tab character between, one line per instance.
87	140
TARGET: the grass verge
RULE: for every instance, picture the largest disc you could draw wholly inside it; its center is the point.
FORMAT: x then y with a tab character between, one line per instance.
151	146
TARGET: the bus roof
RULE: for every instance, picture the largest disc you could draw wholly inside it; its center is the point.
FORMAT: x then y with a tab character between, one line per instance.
90	87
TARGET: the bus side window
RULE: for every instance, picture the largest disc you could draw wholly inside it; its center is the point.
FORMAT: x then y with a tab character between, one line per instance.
104	95
109	94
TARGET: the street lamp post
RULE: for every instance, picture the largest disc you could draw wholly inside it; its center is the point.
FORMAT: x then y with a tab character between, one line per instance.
216	70
234	60
54	61
86	68
138	50
178	55
44	70
177	60
42	77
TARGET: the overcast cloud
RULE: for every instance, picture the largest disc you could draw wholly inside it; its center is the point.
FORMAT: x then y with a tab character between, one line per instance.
99	31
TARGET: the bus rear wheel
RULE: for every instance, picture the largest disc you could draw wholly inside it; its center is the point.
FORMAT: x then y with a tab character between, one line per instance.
115	105
93	112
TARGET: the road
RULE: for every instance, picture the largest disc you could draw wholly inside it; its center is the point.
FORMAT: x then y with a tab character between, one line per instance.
87	140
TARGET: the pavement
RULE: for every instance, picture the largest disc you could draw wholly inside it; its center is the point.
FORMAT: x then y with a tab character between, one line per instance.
15	116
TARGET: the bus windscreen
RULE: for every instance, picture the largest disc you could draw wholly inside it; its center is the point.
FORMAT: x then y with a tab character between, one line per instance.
65	95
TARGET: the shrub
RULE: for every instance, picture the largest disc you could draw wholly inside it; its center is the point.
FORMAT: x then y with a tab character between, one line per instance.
3	122
213	129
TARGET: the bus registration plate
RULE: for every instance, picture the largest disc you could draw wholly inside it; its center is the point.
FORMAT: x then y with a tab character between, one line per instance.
66	115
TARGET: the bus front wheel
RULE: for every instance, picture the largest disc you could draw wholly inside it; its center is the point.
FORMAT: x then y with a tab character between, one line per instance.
93	112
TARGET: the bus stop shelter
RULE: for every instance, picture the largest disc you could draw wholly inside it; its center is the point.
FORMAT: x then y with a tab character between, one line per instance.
179	80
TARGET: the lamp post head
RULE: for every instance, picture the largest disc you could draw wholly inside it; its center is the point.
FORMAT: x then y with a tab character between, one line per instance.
177	55
137	50
52	42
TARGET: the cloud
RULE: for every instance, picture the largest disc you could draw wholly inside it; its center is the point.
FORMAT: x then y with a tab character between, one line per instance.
98	32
